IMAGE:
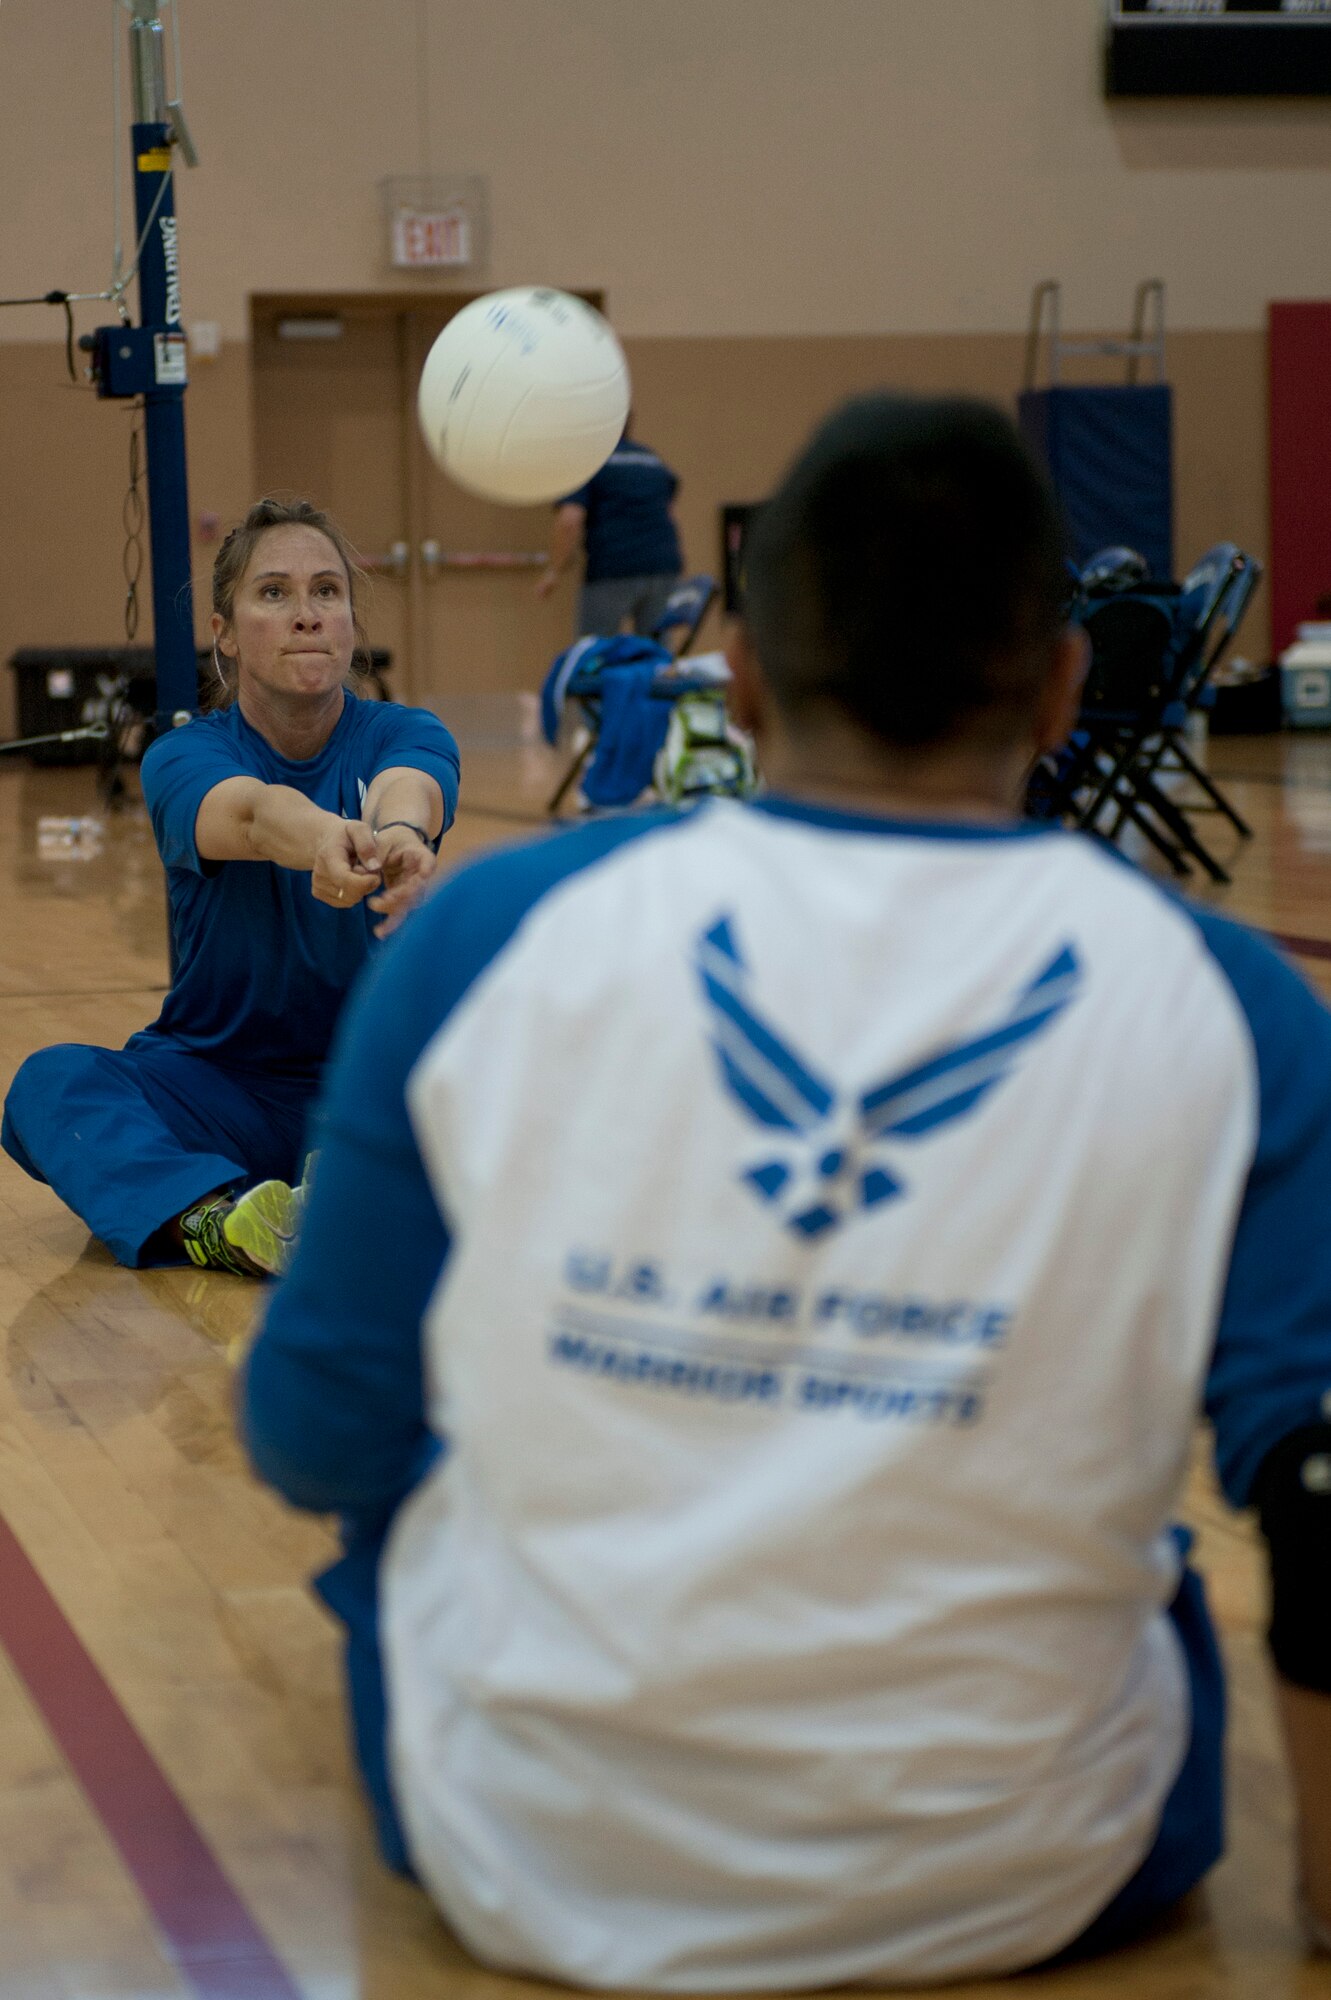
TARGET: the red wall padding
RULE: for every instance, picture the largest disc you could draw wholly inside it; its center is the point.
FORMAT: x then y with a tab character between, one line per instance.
1300	366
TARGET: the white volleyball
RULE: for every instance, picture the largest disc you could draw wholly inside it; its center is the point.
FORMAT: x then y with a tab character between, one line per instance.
524	395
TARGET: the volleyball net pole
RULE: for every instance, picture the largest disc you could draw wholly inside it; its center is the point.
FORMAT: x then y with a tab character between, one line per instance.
149	362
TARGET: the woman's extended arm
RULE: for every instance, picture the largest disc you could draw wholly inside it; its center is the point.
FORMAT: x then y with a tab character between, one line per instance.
405	809
242	819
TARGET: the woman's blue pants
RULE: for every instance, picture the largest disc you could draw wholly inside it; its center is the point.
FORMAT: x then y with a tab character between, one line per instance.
131	1137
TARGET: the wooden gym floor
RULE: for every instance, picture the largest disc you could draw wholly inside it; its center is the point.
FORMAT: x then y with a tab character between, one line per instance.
177	1814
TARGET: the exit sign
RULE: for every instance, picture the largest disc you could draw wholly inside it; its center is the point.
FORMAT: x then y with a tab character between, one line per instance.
438	241
435	222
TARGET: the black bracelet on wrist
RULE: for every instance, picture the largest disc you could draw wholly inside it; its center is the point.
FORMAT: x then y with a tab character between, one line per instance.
411	826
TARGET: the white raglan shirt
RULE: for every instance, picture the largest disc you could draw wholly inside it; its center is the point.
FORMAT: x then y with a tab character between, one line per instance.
839	1216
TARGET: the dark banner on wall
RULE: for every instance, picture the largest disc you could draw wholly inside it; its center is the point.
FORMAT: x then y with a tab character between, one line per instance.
1201	13
1218	48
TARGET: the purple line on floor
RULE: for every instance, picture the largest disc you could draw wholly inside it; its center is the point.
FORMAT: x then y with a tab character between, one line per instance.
206	1931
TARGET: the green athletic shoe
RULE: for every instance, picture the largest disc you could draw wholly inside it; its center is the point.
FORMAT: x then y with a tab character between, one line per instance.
263	1224
203	1233
253	1234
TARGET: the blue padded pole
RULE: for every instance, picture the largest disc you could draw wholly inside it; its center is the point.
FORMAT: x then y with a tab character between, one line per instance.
164	398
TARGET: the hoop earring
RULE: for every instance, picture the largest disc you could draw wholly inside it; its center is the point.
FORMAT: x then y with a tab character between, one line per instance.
219	670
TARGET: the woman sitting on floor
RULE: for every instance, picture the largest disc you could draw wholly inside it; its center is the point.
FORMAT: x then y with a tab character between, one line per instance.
288	819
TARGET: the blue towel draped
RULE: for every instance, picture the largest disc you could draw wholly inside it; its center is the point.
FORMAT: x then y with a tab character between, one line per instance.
617	677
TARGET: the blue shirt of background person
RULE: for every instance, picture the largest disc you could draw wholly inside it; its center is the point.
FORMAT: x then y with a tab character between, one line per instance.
272	1004
624	518
629	529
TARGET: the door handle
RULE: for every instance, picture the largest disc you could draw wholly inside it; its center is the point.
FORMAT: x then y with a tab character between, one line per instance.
396	561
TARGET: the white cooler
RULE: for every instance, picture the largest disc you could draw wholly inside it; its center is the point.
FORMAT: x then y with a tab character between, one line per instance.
1305	679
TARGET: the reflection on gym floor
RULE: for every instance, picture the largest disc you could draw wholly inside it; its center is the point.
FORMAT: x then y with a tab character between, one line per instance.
185	1584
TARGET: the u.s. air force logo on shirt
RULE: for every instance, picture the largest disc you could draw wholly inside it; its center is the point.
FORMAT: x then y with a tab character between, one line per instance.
837	1157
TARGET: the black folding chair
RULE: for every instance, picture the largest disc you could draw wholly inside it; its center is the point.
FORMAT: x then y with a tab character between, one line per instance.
1154	648
1127	692
683	613
1213	600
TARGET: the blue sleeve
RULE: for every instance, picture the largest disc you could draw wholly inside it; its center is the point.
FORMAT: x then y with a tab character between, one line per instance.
414	738
333	1401
1271	1369
178	772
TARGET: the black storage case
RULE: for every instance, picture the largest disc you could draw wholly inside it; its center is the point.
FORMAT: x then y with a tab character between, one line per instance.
67	687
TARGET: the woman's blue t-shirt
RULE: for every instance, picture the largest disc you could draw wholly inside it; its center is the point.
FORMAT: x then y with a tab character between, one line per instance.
262	969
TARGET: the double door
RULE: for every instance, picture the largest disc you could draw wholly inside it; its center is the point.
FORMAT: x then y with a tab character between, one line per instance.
453	593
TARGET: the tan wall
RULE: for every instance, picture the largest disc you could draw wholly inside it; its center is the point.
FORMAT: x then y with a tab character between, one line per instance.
726	413
781	199
65	456
719	167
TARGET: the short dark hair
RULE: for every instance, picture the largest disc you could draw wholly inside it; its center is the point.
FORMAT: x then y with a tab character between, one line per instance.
910	571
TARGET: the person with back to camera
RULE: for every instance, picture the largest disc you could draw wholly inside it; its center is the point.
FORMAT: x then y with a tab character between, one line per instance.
289	819
809	1229
624	518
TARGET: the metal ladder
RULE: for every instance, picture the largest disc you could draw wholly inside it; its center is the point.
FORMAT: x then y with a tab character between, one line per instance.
1145	340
